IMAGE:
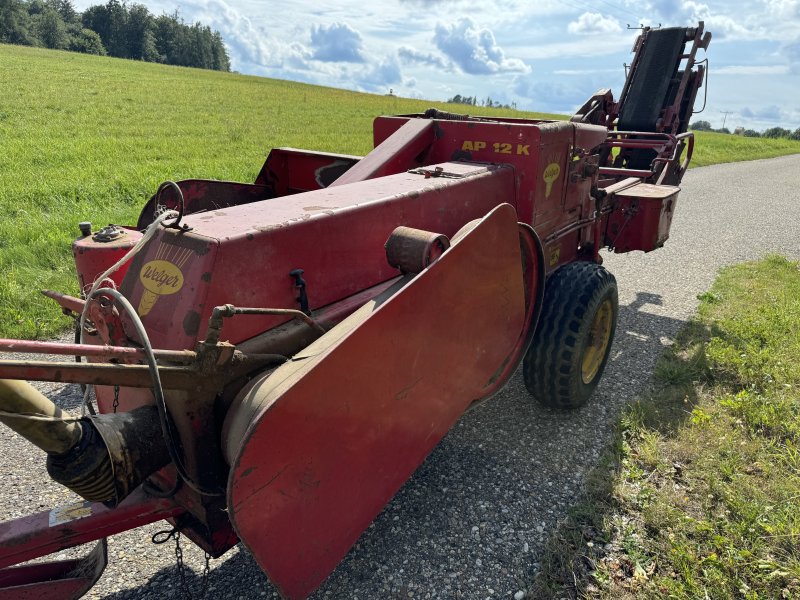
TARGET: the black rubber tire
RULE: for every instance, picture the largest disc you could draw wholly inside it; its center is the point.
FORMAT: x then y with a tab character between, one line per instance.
552	366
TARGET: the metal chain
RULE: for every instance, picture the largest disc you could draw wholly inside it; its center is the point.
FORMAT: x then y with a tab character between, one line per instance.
186	590
206	571
115	404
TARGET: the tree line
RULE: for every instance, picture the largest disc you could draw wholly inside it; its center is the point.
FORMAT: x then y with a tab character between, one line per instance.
772	132
473	101
114	29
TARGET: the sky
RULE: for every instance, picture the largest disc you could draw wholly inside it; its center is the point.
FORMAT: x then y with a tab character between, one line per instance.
542	55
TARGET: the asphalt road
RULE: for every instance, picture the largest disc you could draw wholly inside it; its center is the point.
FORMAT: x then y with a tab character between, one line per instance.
472	522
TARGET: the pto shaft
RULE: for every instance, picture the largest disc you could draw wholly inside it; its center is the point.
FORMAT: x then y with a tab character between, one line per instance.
54	436
102	458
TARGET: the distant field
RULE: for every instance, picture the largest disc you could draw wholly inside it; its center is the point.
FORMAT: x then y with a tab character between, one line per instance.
90	138
713	148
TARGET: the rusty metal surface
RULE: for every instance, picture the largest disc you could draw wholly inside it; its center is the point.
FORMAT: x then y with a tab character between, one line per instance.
332	443
412	250
62	349
100	374
55	580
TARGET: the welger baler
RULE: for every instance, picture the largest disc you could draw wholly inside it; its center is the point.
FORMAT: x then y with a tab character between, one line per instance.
272	361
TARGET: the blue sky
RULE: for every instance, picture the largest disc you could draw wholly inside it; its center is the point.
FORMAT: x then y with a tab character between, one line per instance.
544	55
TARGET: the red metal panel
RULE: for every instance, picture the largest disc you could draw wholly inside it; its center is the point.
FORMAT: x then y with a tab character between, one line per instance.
550	193
289	170
203	194
244	254
644	217
331	443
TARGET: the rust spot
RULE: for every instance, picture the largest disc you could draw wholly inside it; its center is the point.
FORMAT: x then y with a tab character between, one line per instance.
191	322
206	276
250	237
247	472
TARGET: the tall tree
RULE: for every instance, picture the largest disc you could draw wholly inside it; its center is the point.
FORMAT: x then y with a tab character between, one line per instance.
15	23
140	33
221	60
51	30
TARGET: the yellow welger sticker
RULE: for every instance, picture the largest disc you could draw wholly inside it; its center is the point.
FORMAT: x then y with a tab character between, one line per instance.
555	255
162	277
551	173
70	512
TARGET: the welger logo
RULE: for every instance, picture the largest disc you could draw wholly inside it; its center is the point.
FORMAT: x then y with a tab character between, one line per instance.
162	277
159	278
159	274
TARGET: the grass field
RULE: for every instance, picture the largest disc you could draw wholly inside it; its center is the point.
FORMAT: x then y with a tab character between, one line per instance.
90	138
697	497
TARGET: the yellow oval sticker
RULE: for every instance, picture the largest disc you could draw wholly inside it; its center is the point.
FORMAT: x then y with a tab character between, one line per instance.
551	173
161	277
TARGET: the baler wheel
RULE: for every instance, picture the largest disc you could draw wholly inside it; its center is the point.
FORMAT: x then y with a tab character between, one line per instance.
573	339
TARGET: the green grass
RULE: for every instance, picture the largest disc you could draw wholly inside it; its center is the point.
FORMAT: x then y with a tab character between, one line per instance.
713	148
90	138
698	495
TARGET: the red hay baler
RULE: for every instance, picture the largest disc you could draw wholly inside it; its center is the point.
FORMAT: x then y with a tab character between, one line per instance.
272	361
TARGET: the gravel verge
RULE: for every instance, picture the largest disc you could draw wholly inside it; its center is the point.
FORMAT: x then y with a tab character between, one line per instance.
473	520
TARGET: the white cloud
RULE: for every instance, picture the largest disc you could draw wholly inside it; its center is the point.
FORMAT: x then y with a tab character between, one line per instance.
583	72
410	55
764	113
381	74
752	70
474	49
792	52
336	43
590	23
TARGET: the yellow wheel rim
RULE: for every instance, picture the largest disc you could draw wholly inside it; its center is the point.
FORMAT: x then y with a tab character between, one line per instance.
596	346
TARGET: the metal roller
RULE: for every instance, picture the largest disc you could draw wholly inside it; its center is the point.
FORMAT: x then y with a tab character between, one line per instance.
412	250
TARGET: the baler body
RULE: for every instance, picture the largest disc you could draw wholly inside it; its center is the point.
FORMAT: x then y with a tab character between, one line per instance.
294	348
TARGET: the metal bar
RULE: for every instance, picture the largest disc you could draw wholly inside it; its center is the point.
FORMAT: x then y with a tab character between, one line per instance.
101	374
569	229
649	134
64	301
626	172
395	154
637	144
67	526
59	349
280	311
